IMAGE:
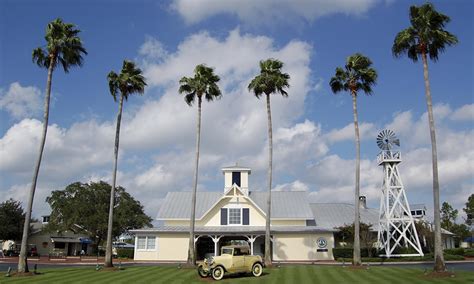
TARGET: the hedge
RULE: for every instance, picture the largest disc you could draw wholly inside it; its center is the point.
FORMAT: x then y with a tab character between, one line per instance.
347	252
454	251
125	253
469	252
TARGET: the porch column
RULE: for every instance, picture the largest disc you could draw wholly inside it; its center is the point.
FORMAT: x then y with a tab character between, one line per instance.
251	239
215	239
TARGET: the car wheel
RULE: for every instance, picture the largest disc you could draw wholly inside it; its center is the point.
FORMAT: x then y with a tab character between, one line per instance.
218	273
257	269
201	272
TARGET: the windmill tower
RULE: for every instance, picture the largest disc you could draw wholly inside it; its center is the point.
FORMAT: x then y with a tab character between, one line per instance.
396	224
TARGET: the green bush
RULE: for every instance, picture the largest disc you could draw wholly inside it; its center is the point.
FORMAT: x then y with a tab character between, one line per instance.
344	252
347	252
469	252
125	253
454	251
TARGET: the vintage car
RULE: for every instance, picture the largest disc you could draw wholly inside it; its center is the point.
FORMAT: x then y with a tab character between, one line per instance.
233	259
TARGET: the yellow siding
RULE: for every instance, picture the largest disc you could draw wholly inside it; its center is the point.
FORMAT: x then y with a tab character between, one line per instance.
176	223
301	247
213	218
288	222
169	247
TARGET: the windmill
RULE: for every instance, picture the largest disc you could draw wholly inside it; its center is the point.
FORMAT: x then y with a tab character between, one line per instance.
396	224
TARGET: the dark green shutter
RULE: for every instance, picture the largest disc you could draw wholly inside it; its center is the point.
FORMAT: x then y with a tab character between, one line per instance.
245	216
223	216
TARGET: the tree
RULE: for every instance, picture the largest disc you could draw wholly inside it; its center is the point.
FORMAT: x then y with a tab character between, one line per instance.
356	76
426	235
82	208
270	81
63	46
204	83
366	235
129	81
426	36
448	216
469	210
12	217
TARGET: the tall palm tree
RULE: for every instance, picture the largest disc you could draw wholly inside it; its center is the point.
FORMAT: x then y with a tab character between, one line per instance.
426	36
129	81
204	83
270	81
63	46
356	76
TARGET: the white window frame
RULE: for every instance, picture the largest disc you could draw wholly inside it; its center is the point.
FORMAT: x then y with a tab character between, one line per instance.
146	243
228	216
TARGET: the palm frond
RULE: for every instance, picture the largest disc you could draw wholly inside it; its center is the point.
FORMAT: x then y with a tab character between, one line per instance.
425	35
40	58
204	83
270	80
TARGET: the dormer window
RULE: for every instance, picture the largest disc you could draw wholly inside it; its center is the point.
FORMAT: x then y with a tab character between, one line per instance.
45	219
235	216
236	178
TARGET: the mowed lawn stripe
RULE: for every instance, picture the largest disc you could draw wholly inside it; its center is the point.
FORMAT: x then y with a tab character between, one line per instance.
285	274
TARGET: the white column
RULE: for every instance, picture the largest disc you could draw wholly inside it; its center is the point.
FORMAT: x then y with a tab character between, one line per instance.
215	239
251	240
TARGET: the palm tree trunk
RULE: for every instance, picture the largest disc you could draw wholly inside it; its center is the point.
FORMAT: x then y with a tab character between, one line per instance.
438	246
22	260
356	260
108	249
268	256
191	253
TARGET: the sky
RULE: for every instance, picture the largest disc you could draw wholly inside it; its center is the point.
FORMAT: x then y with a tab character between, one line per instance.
313	128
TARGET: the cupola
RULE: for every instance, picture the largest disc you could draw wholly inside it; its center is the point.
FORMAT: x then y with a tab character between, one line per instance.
236	175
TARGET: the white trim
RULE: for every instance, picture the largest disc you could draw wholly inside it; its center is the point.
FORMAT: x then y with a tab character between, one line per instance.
228	216
146	243
228	196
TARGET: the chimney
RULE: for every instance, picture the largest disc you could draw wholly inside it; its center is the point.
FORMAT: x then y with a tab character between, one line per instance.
362	202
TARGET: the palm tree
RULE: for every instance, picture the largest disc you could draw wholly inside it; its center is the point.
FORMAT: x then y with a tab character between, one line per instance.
356	76
204	83
63	46
129	81
426	36
270	81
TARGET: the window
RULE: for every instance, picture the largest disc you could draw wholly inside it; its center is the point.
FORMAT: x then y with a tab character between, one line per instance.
59	245
236	178
418	212
146	243
235	216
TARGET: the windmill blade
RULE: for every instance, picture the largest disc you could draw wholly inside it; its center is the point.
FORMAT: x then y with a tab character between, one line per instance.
386	139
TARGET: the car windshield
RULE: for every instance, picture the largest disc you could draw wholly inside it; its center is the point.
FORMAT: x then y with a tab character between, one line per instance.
227	251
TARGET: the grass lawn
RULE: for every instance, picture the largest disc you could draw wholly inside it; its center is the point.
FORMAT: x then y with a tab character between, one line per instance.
285	274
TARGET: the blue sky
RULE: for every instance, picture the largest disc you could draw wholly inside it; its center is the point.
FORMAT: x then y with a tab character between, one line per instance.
314	148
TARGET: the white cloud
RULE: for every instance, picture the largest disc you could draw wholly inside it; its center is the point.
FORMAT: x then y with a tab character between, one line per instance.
366	131
292	186
21	101
267	11
465	112
152	49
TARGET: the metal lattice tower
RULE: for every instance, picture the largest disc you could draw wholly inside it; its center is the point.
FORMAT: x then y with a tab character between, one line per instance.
396	224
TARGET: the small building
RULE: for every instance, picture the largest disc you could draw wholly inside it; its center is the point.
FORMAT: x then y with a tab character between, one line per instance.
65	243
236	214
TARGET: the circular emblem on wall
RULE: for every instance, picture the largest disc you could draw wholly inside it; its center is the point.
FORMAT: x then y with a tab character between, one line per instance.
322	243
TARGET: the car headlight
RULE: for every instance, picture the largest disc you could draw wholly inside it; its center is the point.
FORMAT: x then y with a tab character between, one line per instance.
209	261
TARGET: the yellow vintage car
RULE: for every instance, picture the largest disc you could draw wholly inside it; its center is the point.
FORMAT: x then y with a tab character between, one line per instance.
233	259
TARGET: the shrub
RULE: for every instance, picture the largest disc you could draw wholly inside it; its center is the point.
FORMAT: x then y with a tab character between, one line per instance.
454	251
125	253
469	252
342	252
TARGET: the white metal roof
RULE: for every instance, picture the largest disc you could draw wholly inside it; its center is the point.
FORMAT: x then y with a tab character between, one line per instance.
285	204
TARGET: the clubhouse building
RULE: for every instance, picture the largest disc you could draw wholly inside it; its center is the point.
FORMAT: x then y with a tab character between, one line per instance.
300	230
